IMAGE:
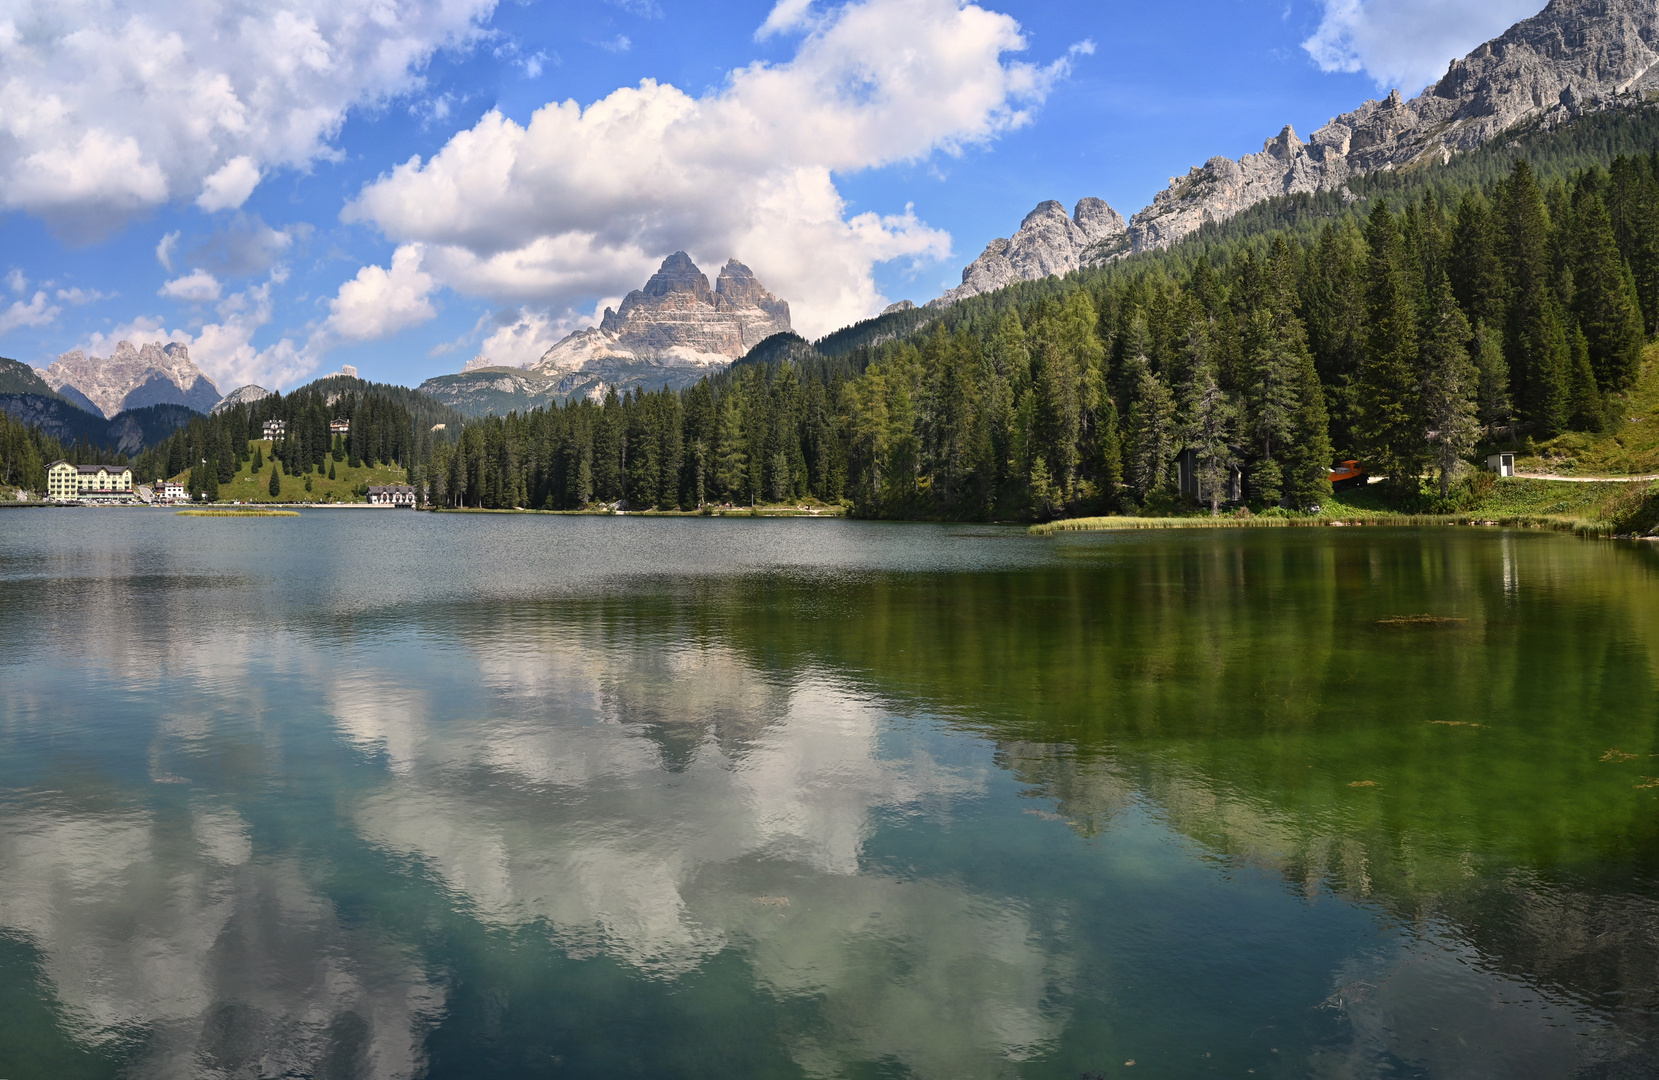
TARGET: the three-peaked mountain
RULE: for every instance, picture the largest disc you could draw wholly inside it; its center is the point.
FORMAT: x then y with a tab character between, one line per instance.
672	332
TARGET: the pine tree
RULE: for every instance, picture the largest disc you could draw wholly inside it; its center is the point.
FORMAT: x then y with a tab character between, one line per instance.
1535	340
1604	297
1585	408
1391	424
1492	394
1207	431
1450	383
258	465
275	486
210	481
331	470
1152	433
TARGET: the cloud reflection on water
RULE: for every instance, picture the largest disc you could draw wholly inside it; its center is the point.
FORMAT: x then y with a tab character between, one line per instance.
660	806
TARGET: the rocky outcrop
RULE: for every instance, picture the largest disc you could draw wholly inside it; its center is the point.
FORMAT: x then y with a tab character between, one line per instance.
676	320
131	378
1573	57
242	395
670	333
1047	243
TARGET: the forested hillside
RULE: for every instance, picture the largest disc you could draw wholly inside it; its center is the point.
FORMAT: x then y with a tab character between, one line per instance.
1404	334
388	425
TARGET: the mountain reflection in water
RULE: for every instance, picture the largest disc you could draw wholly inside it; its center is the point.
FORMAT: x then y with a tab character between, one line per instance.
365	795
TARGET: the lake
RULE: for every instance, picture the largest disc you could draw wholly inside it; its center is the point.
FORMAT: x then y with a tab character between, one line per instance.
381	794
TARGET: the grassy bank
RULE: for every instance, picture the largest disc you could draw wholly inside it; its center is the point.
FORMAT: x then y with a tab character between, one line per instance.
1595	509
239	513
249	487
811	510
1628	446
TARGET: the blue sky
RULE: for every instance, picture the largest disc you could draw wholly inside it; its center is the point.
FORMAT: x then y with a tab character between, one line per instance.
242	176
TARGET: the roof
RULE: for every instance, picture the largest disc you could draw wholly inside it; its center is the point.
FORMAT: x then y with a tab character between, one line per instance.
382	489
92	470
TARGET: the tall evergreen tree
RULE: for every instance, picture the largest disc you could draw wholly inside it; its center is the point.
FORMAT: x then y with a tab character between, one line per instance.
1450	385
1391	424
1604	296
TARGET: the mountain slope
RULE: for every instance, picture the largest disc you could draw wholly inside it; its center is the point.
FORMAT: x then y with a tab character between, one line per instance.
131	378
1572	58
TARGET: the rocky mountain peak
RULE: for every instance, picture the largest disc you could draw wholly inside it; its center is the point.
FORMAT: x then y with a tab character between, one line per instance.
1048	242
132	377
675	321
1572	57
678	274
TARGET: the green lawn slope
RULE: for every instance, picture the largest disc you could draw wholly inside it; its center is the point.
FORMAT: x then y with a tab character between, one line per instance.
249	488
1629	446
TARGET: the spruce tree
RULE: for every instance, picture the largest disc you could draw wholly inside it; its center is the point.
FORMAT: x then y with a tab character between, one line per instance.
1585	408
1535	340
1492	395
1390	424
258	465
1450	384
331	470
1152	432
275	486
1207	431
1604	297
210	481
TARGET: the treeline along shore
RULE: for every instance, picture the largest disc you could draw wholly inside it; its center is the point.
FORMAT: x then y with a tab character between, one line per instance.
1413	329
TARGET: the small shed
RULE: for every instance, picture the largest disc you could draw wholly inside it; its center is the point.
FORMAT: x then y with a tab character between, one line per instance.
1502	464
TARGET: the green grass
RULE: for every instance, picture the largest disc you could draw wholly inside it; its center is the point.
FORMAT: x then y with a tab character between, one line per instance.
1630	445
1517	502
239	513
245	487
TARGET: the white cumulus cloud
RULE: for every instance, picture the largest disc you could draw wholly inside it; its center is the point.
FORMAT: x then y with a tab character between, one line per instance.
110	107
196	287
37	312
1408	43
380	302
225	349
230	186
584	202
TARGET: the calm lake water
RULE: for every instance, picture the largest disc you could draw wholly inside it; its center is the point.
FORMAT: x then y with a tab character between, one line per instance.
395	795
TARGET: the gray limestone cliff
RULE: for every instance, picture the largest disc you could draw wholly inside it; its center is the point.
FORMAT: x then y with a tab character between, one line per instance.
131	378
242	395
673	331
1573	57
675	321
1047	243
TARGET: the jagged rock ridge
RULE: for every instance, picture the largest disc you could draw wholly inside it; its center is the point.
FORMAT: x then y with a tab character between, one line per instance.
672	332
1573	57
1047	243
676	320
130	378
242	395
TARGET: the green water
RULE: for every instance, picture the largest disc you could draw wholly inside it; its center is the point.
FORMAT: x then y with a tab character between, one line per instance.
398	795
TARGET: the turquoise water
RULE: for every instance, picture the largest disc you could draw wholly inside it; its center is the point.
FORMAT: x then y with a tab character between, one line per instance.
395	795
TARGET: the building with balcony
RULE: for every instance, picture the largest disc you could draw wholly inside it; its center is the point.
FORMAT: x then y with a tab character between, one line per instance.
88	483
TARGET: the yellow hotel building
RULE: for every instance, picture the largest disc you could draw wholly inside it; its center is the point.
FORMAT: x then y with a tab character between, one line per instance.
104	483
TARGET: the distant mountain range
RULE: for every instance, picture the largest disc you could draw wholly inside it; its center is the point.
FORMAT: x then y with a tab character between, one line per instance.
1572	58
672	332
131	378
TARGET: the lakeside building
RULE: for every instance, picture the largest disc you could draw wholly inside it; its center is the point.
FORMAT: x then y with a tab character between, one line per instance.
276	429
171	491
339	427
392	495
88	483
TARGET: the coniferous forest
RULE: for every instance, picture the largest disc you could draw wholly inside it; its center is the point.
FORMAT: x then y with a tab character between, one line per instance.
1403	337
1405	333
